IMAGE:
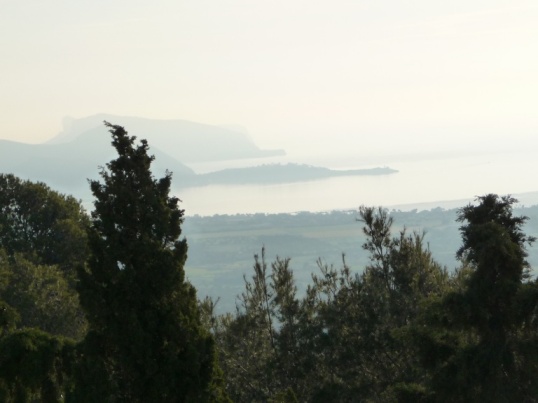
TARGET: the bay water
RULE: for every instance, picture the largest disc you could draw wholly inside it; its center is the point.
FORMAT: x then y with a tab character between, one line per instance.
422	182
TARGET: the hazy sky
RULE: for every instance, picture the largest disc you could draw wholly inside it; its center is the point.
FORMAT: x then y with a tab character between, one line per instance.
297	74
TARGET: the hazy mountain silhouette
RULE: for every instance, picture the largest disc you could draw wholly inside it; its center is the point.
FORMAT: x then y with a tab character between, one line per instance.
184	140
67	160
75	155
67	166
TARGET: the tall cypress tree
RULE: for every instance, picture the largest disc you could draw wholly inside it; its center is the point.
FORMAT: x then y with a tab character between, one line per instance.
145	341
480	342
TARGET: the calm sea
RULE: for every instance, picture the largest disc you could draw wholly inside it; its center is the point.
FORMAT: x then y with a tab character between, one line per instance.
422	182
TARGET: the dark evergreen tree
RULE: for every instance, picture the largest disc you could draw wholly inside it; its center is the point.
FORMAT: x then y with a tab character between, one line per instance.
480	342
145	341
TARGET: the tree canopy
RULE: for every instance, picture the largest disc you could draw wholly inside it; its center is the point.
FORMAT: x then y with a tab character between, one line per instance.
145	341
46	226
400	329
42	243
478	341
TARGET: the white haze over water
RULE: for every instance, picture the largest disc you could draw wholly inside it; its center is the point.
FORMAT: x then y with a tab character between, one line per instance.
433	89
422	182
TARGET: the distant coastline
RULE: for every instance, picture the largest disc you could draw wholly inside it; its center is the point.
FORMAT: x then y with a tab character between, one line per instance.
526	199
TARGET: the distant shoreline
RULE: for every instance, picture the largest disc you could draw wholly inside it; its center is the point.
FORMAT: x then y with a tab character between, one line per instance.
526	199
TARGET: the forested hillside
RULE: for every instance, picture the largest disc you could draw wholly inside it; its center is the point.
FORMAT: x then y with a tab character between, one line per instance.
101	306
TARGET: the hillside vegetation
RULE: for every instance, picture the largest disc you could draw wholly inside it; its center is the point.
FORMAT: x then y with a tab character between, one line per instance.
102	307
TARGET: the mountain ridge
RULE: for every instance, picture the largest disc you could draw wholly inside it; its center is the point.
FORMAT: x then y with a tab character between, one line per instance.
76	154
185	140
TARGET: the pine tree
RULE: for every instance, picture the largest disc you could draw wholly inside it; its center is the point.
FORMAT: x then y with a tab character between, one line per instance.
145	341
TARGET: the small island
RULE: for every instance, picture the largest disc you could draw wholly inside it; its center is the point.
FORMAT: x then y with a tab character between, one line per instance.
277	173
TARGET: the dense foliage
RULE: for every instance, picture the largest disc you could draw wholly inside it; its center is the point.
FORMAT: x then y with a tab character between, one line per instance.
145	341
42	242
344	339
480	340
43	225
402	330
98	309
